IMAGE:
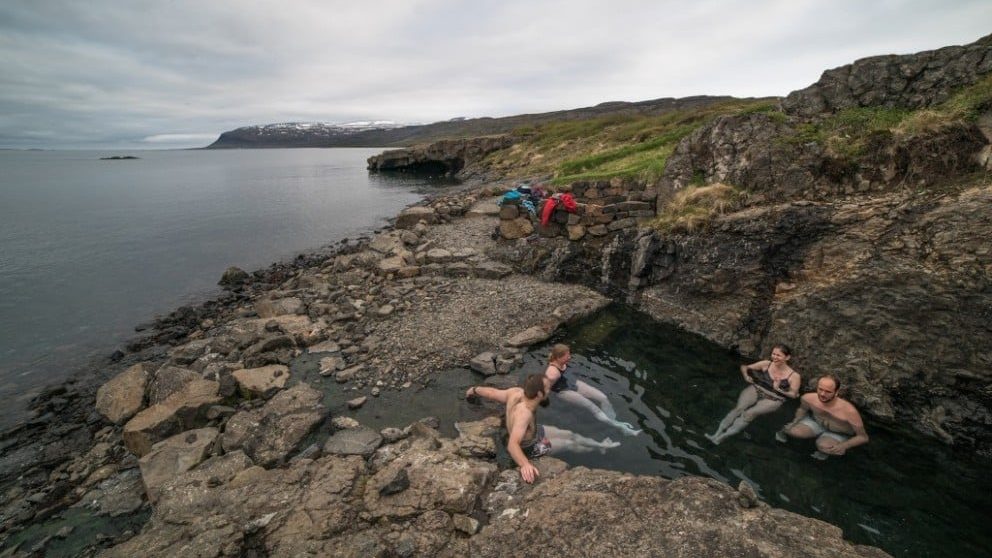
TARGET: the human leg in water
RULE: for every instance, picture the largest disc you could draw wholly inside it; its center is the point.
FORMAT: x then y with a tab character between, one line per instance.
577	399
762	407
747	398
597	397
566	440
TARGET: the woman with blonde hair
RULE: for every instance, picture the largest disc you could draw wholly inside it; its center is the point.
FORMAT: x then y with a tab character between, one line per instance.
579	393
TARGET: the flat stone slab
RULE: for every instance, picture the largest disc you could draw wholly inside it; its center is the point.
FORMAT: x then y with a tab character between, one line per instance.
263	380
173	456
123	396
528	337
353	441
324	347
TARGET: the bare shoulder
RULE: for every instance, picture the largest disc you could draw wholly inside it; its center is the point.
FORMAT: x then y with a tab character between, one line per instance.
850	411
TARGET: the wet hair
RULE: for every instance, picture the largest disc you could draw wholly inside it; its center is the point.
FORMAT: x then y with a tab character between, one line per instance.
784	348
534	386
833	377
557	351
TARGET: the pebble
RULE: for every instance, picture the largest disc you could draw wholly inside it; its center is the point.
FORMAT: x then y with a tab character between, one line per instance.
357	402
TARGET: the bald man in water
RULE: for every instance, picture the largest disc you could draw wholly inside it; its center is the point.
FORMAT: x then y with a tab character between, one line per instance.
835	423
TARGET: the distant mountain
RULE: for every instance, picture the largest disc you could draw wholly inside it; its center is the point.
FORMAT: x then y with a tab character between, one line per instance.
298	134
389	134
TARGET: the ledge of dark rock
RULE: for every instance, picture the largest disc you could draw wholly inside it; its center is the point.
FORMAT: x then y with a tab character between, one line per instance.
445	157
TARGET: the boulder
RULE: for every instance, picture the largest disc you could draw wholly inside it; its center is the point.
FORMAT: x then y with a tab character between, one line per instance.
408	218
436	480
261	381
330	365
174	455
271	433
512	229
233	278
183	410
651	516
270	308
478	439
124	395
484	363
387	243
528	337
168	380
353	441
357	402
391	265
438	255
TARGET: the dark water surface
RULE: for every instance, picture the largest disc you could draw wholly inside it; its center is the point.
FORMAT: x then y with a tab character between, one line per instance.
91	248
908	495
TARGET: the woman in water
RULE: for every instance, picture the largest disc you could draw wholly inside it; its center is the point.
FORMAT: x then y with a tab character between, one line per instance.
771	381
579	393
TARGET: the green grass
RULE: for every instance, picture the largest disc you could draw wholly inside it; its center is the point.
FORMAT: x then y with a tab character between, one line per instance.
965	105
846	133
626	145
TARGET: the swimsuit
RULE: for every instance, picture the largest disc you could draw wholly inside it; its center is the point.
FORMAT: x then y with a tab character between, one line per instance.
820	429
564	382
538	446
763	380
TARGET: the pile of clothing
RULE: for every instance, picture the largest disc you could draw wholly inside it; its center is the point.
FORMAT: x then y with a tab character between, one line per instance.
531	197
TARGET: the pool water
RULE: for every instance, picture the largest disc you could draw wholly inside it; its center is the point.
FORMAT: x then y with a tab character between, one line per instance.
904	493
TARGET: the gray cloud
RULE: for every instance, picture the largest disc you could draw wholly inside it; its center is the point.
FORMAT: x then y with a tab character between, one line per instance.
111	73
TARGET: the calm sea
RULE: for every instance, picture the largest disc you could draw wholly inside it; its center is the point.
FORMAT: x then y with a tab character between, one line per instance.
89	248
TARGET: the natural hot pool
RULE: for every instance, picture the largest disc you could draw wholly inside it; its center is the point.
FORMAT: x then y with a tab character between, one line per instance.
906	494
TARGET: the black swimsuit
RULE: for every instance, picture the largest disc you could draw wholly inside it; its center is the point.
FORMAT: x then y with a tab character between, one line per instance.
763	384
564	382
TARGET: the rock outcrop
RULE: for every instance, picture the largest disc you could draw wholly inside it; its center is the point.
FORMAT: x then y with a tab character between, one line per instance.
122	397
423	496
445	157
909	81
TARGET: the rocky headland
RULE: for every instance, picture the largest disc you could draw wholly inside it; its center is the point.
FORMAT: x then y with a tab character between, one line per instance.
213	434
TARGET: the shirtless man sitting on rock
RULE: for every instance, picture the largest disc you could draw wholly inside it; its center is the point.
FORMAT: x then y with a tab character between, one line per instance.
835	423
529	440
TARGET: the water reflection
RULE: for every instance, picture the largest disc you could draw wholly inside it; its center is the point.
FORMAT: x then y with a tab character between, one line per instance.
908	495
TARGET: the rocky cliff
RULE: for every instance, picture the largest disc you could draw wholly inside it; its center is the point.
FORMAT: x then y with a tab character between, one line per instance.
868	254
445	157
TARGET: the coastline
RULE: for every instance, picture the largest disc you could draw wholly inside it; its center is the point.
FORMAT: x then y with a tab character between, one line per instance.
383	326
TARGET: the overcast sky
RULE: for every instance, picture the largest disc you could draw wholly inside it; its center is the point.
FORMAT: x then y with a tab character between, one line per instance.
176	73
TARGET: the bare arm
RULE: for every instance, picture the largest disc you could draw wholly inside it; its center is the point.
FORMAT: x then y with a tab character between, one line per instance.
760	365
860	436
794	382
528	471
491	393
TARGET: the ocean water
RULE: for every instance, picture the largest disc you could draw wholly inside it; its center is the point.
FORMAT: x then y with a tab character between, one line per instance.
89	248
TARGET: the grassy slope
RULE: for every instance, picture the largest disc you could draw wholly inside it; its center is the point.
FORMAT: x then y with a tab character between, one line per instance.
629	146
637	146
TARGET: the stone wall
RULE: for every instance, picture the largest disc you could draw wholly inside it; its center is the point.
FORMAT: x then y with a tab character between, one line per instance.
604	207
